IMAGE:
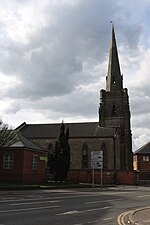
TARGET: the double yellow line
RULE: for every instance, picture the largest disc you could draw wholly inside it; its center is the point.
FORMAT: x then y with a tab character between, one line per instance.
121	218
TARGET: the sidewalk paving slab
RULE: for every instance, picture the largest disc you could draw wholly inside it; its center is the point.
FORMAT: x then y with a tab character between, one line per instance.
141	216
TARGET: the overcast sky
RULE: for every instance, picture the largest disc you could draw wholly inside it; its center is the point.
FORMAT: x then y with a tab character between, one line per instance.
54	59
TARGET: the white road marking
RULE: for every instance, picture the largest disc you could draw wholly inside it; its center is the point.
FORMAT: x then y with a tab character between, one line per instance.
95	221
27	209
30	203
120	192
82	211
109	200
90	210
108	219
78	224
143	196
69	212
60	197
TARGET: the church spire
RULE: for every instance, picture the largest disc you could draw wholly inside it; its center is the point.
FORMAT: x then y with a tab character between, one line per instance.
114	78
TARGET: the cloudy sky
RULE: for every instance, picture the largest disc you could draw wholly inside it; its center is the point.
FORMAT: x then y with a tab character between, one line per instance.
54	59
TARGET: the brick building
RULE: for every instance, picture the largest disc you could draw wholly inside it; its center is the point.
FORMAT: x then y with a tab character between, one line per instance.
23	162
141	158
141	163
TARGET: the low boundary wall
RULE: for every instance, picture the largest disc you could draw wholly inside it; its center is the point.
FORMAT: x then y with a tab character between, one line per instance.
108	177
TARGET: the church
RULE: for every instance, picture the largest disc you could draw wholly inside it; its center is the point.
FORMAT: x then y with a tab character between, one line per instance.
111	134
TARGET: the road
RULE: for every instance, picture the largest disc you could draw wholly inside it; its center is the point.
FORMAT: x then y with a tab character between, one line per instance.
93	206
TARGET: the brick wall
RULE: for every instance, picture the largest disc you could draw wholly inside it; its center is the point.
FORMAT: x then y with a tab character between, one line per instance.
109	177
30	175
14	174
141	165
22	169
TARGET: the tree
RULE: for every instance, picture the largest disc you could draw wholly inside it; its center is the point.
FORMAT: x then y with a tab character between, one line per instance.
61	155
7	135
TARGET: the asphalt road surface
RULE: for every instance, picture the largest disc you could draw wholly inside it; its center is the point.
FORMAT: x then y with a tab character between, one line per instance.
92	206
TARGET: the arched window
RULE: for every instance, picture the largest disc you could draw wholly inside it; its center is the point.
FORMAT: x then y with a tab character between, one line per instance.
105	160
49	148
85	156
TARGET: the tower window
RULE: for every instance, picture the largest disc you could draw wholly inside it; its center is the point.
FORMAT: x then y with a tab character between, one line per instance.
114	111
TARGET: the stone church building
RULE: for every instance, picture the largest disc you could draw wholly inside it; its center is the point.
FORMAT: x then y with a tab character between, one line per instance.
111	134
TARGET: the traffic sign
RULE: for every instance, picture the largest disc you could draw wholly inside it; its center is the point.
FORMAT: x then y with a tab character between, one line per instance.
97	159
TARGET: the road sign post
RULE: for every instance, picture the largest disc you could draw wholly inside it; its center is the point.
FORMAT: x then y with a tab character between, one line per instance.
92	177
97	163
101	178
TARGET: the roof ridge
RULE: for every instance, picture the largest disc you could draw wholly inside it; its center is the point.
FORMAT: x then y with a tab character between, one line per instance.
37	124
26	142
142	147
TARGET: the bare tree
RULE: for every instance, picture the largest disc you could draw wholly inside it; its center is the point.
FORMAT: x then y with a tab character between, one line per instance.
7	135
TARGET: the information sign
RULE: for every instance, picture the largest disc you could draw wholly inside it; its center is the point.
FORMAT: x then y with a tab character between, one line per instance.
97	159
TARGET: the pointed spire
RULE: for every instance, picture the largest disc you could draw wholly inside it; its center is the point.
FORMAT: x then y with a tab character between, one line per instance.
114	78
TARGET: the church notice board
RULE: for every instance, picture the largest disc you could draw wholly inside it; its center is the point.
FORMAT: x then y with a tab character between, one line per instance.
97	159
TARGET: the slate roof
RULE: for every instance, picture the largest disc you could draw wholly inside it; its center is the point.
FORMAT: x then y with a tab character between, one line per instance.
22	142
77	130
144	149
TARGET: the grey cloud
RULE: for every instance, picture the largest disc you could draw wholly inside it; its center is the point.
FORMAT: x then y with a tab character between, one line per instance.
78	103
140	104
130	36
57	51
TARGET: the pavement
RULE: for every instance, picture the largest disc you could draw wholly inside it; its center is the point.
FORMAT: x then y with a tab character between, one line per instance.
140	216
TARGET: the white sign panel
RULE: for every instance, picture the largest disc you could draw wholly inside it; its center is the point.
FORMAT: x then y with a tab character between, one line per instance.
97	159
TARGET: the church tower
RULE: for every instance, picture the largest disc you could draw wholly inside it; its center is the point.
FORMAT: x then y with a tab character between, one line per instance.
114	109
